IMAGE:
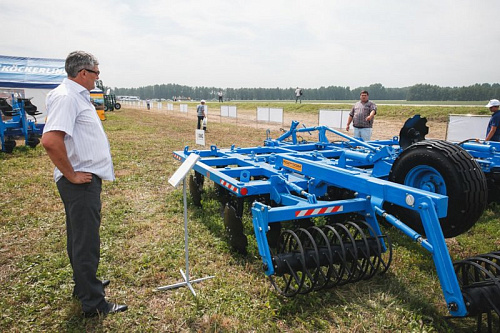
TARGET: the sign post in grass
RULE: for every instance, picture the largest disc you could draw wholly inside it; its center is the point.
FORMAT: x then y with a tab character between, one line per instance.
178	176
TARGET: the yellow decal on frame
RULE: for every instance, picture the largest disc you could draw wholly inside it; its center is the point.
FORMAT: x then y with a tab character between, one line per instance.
292	165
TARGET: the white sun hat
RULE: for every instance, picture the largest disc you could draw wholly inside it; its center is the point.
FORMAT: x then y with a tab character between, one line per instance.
493	102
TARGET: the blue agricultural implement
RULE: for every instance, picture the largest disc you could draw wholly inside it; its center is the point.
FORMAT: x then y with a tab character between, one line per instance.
334	194
14	123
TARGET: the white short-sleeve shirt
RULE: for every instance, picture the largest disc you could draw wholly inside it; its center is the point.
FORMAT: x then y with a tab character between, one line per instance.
69	110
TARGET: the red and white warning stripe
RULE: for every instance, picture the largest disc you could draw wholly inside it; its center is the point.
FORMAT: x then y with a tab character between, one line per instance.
318	211
229	186
177	157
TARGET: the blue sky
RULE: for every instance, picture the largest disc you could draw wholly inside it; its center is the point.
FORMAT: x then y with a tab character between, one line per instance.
269	43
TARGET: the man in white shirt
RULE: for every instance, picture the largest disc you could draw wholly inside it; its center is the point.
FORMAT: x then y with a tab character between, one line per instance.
76	143
298	95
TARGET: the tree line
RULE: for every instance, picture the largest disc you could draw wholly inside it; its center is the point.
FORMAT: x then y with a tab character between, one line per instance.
418	92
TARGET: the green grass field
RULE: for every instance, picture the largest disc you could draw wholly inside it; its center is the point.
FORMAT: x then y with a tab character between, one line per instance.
143	248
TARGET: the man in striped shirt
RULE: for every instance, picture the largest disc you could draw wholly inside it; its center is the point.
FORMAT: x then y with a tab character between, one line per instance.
75	141
361	116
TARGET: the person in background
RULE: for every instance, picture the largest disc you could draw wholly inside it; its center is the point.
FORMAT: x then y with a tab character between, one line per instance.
200	111
220	96
492	132
298	95
76	143
148	103
362	115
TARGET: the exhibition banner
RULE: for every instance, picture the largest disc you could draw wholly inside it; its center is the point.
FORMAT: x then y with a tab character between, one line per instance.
23	72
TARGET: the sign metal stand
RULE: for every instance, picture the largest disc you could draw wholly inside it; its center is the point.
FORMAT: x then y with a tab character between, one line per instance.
179	175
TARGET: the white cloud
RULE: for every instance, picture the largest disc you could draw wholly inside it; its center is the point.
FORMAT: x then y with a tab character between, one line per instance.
265	43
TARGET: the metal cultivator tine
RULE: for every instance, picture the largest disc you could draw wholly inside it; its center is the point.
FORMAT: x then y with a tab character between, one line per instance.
311	260
325	268
377	253
339	266
494	258
352	266
363	250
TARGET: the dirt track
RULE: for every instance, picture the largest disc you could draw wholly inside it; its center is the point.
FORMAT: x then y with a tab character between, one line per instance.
382	129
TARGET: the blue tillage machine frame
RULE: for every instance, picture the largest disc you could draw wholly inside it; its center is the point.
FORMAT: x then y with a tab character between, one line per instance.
294	174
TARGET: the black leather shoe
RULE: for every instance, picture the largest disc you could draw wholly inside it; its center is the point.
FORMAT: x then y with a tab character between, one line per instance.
114	308
105	283
110	309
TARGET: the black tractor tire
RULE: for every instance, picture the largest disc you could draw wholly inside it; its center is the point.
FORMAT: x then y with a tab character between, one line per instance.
464	183
118	106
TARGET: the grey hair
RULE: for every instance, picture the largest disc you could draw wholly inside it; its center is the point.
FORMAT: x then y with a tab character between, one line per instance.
78	60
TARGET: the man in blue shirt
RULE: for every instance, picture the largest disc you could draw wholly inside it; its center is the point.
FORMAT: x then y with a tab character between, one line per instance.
492	133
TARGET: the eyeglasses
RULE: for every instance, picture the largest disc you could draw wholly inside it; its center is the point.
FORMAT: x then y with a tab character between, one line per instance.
91	71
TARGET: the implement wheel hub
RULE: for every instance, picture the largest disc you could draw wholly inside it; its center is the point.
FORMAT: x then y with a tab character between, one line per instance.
426	178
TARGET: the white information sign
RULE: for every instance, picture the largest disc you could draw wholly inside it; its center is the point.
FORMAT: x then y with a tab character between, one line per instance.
276	115
200	137
183	170
232	110
333	118
463	127
262	114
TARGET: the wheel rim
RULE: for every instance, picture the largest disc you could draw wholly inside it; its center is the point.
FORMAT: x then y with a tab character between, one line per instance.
426	178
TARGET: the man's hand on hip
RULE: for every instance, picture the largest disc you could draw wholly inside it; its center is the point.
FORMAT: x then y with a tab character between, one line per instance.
80	177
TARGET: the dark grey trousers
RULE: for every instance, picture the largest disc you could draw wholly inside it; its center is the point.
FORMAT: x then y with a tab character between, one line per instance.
82	203
200	121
